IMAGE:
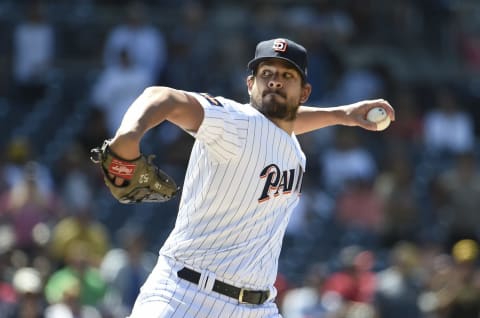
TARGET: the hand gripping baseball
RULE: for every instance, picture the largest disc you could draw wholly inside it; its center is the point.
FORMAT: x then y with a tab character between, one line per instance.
143	181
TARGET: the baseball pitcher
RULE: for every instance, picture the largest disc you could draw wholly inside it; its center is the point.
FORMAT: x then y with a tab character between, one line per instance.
243	180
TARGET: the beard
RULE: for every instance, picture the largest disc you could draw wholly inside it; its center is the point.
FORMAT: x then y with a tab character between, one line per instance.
274	104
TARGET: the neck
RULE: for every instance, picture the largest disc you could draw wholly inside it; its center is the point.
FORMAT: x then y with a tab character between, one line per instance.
286	125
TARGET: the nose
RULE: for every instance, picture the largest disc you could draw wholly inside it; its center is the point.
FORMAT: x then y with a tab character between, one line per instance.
274	83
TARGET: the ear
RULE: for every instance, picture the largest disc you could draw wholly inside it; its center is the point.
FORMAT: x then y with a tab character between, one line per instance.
250	80
306	91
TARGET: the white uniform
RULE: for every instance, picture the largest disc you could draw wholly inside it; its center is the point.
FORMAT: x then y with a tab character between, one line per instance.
243	181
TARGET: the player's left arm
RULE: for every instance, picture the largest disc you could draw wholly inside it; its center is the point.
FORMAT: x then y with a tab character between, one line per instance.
311	118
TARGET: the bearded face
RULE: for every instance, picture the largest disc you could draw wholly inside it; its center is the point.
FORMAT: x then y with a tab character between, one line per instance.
276	90
273	103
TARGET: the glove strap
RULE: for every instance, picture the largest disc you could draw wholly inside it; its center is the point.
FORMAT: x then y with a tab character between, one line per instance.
120	167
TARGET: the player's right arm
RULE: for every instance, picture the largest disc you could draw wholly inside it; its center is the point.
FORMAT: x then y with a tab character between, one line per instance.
152	107
312	118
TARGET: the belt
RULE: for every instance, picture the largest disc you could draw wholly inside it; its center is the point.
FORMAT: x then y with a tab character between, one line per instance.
244	296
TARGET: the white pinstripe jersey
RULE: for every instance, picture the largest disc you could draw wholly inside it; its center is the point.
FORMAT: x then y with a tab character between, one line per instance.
242	182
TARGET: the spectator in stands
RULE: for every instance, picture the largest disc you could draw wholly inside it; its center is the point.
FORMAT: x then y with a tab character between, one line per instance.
8	295
144	43
89	286
465	286
399	285
320	28
117	87
69	303
346	160
265	20
80	228
437	272
407	132
78	224
33	53
229	56
353	283
28	285
190	48
19	152
448	129
396	186
26	206
405	27
75	179
465	38
125	269
302	301
453	289
460	188
364	81
354	279
360	211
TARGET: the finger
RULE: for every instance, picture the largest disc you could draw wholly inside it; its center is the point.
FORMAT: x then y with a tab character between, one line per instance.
116	180
366	124
119	181
389	109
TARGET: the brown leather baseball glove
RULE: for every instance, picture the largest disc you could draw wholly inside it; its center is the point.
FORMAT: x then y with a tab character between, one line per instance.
143	181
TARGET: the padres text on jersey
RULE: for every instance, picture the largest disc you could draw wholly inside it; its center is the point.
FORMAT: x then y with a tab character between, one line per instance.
239	192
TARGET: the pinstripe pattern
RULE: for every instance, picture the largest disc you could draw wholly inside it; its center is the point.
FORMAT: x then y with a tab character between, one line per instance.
164	295
232	218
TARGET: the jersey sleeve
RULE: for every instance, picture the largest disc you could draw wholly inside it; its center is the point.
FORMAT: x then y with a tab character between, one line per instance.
219	130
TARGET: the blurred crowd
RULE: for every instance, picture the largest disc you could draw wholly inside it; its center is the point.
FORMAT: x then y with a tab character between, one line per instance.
388	224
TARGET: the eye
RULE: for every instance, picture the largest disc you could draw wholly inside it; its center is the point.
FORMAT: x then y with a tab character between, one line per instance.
266	73
288	75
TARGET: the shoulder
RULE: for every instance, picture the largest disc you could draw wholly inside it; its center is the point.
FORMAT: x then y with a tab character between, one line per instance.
208	100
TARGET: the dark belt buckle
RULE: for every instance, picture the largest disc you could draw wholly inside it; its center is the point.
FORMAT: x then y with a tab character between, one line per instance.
263	297
240	297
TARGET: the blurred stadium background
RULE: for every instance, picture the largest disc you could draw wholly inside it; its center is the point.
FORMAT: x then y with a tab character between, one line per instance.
389	224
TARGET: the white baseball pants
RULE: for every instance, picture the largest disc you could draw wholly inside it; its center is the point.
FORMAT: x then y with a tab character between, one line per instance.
165	295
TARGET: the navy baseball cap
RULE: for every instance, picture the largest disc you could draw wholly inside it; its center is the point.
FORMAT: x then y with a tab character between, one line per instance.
284	49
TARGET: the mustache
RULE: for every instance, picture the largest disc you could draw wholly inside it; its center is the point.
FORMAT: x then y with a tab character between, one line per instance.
274	91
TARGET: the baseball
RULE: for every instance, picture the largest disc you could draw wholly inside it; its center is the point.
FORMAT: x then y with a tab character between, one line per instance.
379	116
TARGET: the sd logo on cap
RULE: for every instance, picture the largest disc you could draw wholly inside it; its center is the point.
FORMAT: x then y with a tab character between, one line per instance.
284	49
